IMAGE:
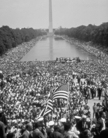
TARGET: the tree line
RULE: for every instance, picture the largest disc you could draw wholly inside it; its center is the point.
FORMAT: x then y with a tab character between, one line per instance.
93	33
10	38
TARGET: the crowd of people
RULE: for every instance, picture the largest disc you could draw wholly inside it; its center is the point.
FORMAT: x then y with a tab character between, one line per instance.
100	56
24	93
26	86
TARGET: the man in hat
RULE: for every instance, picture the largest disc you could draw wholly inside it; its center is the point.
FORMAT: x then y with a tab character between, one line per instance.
38	129
74	129
57	133
62	121
82	124
67	131
26	133
50	129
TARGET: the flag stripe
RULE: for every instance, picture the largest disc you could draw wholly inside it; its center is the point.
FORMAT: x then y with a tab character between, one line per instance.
42	112
47	112
60	97
61	94
47	109
50	107
50	103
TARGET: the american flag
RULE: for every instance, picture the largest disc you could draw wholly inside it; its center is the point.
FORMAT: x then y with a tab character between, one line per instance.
48	109
62	92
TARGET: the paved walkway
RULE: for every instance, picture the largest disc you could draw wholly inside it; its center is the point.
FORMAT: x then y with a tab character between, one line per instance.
91	103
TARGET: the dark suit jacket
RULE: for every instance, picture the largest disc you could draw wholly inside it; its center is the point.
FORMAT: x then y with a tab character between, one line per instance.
25	134
2	130
104	133
49	133
57	135
3	118
38	134
80	126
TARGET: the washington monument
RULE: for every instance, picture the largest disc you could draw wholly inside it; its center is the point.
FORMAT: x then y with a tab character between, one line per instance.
50	18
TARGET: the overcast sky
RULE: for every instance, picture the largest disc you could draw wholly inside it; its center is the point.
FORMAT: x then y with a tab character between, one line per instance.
66	13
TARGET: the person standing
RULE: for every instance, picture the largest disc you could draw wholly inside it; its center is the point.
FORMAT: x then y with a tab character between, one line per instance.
67	131
37	133
2	130
99	92
92	92
94	110
27	131
104	133
56	133
2	116
82	124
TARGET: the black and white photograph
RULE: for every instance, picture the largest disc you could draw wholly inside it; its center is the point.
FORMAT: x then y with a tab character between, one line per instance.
53	68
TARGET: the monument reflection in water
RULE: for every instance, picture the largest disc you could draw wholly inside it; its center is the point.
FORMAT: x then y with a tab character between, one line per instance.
50	49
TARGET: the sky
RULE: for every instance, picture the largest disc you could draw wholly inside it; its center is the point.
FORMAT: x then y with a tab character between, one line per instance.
66	13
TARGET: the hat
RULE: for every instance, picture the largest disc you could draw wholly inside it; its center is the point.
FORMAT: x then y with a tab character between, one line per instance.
51	123
14	121
22	120
13	129
88	119
77	117
54	115
1	71
63	120
84	116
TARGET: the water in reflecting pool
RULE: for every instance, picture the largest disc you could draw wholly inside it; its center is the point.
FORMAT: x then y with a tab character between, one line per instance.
50	49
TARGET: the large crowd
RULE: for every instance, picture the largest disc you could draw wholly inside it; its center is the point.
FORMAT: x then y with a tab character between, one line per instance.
100	57
25	87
